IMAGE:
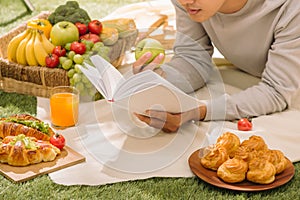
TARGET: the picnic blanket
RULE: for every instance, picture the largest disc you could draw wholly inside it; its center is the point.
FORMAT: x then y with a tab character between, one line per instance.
113	155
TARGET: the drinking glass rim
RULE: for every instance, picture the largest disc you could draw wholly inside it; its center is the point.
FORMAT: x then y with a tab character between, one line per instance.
72	89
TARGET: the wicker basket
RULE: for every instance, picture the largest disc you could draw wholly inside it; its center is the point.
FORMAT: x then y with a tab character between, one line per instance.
38	81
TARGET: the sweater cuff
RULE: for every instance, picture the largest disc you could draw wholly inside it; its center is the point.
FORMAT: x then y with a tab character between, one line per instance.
215	108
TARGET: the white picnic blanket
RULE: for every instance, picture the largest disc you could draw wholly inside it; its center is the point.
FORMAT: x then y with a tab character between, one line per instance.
113	156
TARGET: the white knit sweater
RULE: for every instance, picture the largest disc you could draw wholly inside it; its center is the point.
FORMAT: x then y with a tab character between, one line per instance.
262	39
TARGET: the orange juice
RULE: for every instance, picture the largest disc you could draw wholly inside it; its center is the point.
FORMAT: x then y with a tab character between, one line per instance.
64	109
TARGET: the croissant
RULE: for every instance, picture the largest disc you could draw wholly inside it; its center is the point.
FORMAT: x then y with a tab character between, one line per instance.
277	158
229	141
233	170
261	171
22	151
214	158
25	116
256	143
27	125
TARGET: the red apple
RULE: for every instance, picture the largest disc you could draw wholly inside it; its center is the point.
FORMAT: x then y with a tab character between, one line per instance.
95	26
91	37
59	51
78	47
52	60
82	28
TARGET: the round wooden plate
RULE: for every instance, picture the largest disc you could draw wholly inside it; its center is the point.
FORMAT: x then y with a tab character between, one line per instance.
211	177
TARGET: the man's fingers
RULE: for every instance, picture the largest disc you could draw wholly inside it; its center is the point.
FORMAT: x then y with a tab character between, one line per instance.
156	123
161	120
164	116
140	63
158	60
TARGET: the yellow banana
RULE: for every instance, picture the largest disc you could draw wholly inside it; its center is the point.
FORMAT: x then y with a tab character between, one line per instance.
20	52
29	51
39	50
46	43
13	45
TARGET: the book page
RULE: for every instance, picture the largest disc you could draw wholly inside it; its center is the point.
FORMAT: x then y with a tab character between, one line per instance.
136	83
158	97
110	75
104	76
148	90
95	78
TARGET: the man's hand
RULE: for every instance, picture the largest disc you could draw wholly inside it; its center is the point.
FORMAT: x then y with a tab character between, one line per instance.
140	65
165	121
171	122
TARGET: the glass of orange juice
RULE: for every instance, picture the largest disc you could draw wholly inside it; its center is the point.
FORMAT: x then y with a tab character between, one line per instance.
64	106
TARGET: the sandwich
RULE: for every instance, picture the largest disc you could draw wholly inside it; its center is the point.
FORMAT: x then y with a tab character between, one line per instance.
27	125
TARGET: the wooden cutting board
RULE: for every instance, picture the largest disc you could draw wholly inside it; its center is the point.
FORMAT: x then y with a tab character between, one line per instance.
68	157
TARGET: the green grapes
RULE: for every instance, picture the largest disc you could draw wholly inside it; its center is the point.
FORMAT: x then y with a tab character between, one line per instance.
72	62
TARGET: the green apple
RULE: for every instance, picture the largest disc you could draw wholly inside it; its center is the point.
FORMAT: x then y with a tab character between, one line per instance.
64	32
149	45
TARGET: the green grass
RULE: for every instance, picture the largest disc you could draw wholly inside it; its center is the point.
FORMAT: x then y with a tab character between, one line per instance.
15	12
16	103
154	188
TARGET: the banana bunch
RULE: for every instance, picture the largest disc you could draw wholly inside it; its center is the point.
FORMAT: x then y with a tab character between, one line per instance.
29	48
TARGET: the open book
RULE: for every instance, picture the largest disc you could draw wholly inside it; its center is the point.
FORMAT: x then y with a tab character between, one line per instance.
139	92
